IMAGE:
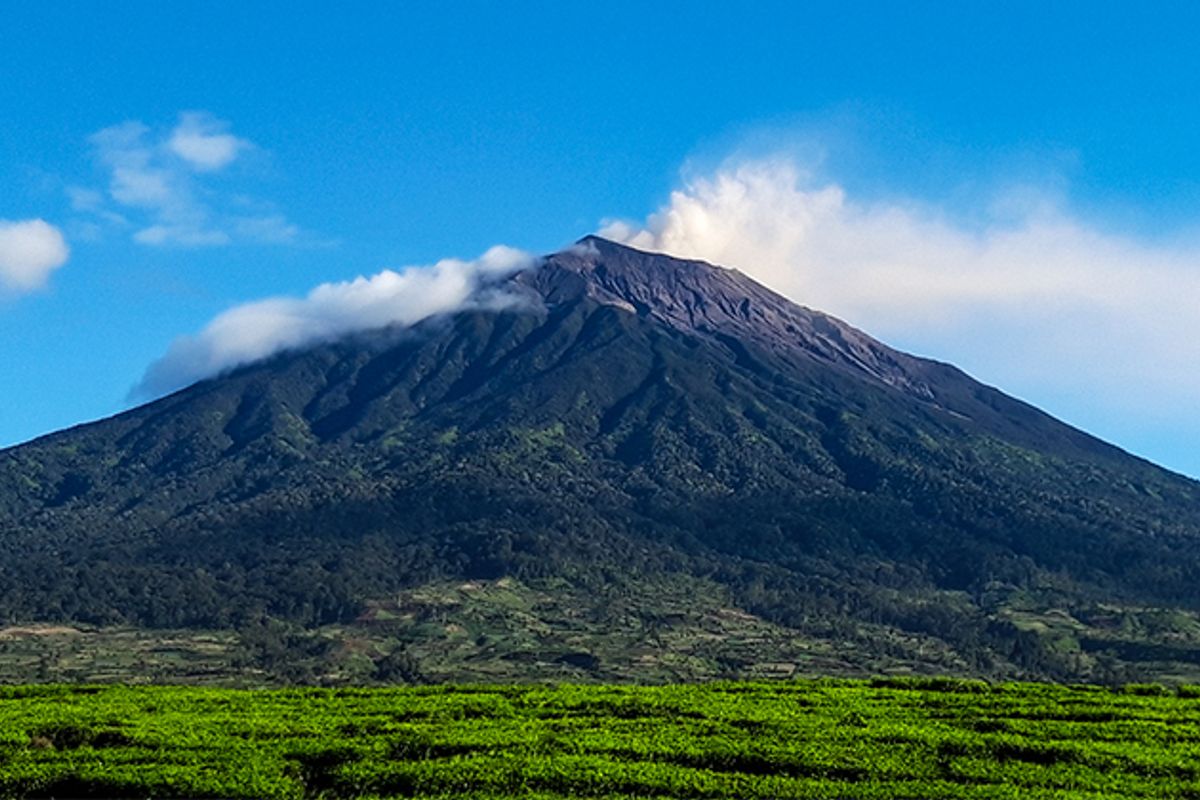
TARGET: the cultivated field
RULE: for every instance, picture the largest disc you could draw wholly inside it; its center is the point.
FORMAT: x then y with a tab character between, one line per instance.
825	739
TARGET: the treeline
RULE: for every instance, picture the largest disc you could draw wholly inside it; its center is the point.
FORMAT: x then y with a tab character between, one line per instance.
818	501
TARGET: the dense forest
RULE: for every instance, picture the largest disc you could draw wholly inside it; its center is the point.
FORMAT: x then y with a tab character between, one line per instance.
640	417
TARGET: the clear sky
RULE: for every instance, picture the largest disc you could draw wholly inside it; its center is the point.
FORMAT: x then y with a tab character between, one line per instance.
1013	187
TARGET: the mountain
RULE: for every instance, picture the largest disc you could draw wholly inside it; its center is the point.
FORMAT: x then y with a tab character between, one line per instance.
642	446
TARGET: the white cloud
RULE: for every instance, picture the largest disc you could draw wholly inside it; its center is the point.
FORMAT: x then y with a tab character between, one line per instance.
92	203
272	228
203	142
85	199
257	330
1039	299
29	251
181	234
136	177
159	181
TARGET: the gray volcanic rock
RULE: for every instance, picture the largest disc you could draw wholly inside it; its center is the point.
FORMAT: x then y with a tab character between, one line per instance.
724	304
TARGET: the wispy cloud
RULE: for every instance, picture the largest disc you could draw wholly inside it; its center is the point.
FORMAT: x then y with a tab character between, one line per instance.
29	251
257	330
204	142
159	183
1037	295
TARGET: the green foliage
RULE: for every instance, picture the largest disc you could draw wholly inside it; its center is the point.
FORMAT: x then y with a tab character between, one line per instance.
398	666
825	739
651	421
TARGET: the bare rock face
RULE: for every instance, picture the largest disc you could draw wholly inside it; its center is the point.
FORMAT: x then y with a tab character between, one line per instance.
724	304
773	335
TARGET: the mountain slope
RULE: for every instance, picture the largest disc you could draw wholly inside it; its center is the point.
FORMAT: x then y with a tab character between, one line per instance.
638	417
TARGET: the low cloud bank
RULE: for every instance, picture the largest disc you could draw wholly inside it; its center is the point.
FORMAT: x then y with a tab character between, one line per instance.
1039	300
29	251
257	330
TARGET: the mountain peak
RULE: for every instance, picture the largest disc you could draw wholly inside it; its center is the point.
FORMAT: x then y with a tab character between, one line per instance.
648	425
699	298
609	261
677	290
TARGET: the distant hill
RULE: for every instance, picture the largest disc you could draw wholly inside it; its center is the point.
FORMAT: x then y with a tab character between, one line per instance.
642	422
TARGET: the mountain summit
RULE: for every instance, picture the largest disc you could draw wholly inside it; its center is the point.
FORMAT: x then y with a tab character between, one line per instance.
696	297
730	309
644	429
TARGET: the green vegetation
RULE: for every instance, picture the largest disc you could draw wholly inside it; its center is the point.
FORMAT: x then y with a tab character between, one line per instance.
651	449
902	738
660	630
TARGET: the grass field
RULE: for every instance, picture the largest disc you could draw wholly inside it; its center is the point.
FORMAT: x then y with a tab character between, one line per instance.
905	738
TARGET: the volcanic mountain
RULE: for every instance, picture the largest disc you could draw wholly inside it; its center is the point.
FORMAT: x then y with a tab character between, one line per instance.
638	437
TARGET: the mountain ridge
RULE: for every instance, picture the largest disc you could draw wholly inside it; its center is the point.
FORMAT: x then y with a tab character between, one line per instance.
824	337
746	308
642	420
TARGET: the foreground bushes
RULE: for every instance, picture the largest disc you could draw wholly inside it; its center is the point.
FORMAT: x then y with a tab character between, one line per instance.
883	739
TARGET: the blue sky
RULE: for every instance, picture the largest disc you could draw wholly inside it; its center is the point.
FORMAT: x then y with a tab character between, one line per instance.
1027	172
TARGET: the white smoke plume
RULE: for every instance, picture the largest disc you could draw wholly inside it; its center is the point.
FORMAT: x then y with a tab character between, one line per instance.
1036	299
258	330
29	251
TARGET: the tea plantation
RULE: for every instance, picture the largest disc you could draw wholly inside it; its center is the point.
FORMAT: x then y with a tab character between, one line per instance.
898	738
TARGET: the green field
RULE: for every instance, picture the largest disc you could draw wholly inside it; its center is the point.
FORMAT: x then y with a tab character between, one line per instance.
902	738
